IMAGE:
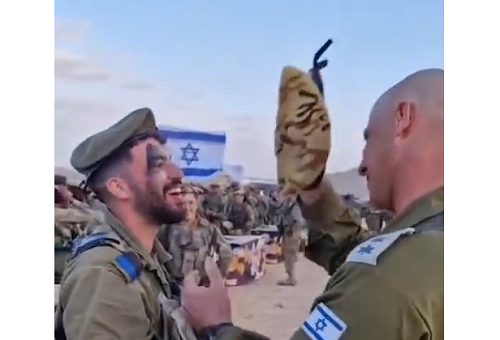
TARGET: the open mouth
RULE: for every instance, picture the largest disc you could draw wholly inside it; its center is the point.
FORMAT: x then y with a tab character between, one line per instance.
174	191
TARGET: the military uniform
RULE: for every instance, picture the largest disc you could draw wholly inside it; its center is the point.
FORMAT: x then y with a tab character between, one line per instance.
241	217
69	223
292	225
214	208
388	286
112	287
391	286
190	246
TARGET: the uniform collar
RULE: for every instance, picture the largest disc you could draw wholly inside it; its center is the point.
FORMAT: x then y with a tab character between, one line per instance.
425	207
123	232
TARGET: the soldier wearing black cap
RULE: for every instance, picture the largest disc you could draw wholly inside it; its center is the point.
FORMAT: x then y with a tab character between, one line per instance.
116	285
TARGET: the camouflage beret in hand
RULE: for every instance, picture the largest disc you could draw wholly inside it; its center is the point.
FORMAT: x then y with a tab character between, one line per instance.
302	134
90	154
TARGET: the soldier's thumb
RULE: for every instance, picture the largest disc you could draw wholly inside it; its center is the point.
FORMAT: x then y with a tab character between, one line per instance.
213	272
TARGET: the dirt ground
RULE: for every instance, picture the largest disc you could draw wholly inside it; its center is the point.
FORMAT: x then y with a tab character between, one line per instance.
275	311
272	310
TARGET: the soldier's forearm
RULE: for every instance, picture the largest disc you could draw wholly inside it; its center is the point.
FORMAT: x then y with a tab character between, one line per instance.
334	229
329	250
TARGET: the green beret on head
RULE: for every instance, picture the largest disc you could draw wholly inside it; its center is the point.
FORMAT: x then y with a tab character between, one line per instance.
93	152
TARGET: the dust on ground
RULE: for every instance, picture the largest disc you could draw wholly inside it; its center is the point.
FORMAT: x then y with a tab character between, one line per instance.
275	311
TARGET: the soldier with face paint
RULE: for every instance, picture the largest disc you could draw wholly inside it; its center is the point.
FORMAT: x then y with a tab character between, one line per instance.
116	285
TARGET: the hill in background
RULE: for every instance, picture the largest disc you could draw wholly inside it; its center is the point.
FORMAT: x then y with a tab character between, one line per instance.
349	182
344	182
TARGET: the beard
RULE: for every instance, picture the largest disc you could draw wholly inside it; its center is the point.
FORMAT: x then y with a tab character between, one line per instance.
151	203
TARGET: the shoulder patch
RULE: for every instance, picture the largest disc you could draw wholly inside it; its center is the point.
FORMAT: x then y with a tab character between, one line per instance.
324	324
369	251
130	266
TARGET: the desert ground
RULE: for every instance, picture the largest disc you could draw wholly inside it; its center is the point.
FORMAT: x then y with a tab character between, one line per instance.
272	310
275	311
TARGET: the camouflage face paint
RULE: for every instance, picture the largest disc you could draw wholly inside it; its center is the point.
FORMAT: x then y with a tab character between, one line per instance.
156	159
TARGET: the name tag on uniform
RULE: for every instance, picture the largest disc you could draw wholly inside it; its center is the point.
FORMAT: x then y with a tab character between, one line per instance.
323	324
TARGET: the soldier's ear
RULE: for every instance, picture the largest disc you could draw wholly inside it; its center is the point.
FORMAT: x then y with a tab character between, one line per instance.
119	188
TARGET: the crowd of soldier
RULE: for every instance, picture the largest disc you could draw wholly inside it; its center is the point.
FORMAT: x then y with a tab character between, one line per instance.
212	212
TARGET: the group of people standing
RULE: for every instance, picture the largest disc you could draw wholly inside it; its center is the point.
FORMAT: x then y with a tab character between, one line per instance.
211	213
117	283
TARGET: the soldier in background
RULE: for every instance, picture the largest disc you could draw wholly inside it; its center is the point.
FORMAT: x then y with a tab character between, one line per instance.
373	220
291	226
194	239
240	214
262	207
258	203
273	208
376	220
214	205
71	218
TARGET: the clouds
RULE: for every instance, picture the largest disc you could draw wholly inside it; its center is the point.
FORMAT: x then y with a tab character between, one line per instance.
93	92
90	97
70	31
69	66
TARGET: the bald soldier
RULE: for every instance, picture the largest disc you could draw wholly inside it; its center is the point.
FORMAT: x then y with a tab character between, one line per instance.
390	287
115	285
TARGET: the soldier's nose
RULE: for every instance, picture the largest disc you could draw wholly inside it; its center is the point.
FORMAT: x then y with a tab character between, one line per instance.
174	172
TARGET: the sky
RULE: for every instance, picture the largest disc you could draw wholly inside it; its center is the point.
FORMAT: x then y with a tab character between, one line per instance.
215	66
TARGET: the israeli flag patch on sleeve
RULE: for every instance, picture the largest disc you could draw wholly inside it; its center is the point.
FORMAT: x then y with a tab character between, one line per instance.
323	324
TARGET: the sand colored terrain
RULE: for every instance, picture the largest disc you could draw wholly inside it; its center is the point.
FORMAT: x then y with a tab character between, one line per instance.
271	310
275	311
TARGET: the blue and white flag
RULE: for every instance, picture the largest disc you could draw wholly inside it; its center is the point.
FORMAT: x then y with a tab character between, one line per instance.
200	155
324	324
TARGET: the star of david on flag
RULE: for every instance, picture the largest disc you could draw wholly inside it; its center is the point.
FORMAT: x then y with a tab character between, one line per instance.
189	154
199	154
323	324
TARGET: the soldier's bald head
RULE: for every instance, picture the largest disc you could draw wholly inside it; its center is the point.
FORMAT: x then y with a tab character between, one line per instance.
424	89
405	129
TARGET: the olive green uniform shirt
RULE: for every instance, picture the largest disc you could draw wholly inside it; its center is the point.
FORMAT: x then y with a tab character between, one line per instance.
394	293
99	301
